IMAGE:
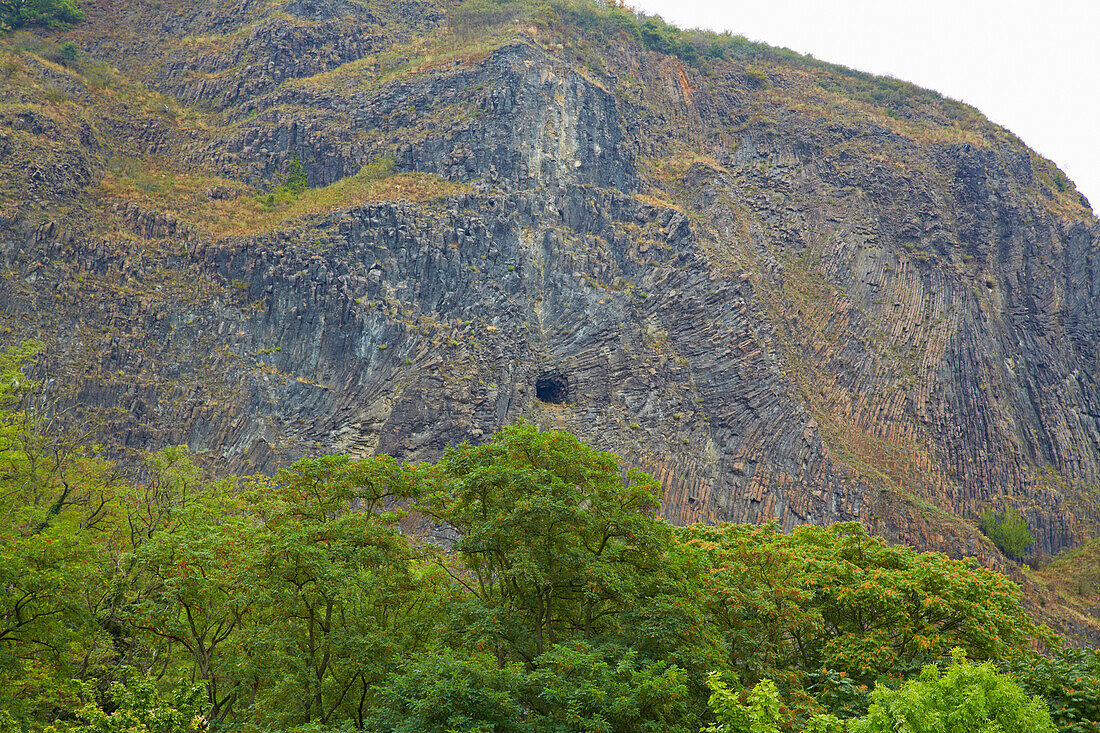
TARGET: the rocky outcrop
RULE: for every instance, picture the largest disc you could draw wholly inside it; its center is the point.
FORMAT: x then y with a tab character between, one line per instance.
783	300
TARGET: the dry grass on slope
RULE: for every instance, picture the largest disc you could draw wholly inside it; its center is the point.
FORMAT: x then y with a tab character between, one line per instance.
222	207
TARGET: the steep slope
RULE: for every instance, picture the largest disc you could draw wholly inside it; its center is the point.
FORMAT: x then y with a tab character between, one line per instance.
788	290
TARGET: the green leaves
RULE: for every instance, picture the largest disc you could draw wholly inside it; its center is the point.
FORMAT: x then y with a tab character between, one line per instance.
51	13
834	610
295	181
1008	530
1069	679
965	698
296	602
552	540
137	706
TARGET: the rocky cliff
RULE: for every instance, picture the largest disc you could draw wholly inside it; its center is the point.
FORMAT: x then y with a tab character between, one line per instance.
788	290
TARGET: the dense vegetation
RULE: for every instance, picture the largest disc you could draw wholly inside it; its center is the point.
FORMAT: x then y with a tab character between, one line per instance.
51	13
562	603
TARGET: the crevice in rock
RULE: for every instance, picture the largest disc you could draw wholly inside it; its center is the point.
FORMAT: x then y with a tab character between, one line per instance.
552	388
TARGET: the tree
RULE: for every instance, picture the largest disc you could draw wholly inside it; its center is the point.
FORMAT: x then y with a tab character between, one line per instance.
57	542
760	712
966	698
1069	680
1008	530
578	687
553	541
136	706
51	13
574	688
295	180
798	607
338	589
190	588
446	693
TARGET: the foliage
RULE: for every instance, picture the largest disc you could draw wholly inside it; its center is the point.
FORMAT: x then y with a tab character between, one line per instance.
1008	530
965	698
136	706
335	587
572	688
582	688
552	541
50	13
444	693
294	181
759	713
1069	680
55	549
836	603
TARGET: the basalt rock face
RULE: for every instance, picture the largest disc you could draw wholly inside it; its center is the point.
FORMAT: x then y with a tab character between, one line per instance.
783	297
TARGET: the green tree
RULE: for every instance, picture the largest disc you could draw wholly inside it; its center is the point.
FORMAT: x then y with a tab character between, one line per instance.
1008	530
51	13
1069	680
759	712
553	542
295	180
57	541
341	597
446	693
816	602
190	586
965	698
578	688
136	706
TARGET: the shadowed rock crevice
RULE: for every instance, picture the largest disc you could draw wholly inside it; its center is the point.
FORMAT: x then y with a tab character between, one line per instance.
552	388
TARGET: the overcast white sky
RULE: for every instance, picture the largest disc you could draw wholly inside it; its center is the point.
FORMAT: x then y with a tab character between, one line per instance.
1033	67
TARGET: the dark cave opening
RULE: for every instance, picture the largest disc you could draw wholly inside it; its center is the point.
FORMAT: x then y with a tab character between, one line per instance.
552	389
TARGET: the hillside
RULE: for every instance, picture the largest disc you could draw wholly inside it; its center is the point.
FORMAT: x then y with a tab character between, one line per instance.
786	289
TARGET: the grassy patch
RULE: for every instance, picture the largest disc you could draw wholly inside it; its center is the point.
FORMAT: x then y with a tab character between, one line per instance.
1075	574
188	197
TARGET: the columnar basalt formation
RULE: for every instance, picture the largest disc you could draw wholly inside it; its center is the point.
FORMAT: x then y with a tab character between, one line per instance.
783	297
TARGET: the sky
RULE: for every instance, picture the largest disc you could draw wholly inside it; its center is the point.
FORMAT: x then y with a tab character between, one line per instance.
1032	67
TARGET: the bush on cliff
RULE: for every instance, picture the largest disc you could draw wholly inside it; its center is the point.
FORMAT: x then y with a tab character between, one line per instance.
50	13
1008	530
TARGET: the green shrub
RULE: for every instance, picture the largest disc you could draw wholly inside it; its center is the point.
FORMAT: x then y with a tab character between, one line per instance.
1008	530
295	180
136	706
963	699
760	713
756	77
377	169
50	13
1060	180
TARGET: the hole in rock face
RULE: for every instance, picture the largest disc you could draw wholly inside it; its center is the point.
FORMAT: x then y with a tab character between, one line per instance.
552	388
